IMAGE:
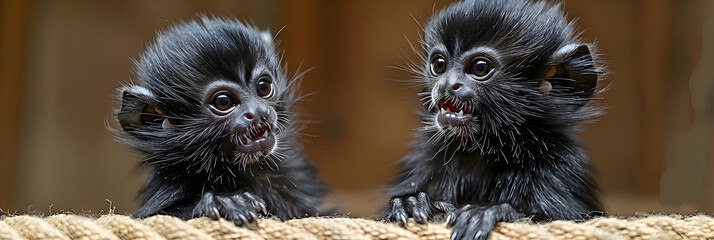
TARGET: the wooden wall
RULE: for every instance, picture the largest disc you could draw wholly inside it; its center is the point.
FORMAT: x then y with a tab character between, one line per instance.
14	19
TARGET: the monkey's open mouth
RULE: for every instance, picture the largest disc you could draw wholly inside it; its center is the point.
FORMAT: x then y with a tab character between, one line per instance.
453	111
257	138
254	132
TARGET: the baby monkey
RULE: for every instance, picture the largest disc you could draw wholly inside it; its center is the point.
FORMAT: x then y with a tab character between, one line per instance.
506	83
210	108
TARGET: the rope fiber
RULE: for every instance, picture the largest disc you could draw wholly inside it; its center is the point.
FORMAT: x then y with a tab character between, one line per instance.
121	227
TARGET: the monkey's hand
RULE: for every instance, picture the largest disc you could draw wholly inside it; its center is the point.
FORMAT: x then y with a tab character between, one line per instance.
241	208
476	222
417	205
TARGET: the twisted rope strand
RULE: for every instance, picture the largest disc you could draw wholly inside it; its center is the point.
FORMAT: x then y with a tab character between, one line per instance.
120	227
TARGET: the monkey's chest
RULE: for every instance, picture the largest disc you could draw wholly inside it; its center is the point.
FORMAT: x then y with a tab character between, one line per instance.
481	185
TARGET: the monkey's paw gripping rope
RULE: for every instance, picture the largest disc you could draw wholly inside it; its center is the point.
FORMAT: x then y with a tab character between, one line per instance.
66	226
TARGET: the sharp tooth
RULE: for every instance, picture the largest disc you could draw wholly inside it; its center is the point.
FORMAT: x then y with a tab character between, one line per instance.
249	141
166	123
461	113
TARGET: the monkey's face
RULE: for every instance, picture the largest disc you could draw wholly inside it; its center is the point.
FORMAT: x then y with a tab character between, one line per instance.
246	111
458	86
211	97
498	74
467	92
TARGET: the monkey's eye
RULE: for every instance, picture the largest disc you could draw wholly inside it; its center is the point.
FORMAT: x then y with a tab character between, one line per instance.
480	67
265	87
438	66
222	103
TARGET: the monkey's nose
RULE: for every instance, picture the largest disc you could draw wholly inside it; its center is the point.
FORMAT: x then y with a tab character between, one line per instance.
456	86
249	116
255	115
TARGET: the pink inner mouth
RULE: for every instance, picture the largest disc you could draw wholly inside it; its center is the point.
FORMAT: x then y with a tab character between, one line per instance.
453	105
255	132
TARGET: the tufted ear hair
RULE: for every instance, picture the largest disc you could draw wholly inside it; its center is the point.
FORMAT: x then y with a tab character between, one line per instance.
137	108
575	72
267	37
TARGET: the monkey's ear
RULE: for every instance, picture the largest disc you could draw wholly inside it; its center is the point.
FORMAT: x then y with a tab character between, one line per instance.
136	107
267	37
574	70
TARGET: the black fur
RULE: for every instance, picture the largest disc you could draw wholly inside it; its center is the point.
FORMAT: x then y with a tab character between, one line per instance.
514	154
199	165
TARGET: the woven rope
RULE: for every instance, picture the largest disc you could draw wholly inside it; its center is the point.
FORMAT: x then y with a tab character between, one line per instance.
119	227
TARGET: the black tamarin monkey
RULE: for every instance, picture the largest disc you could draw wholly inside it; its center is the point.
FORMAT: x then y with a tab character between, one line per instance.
210	108
505	85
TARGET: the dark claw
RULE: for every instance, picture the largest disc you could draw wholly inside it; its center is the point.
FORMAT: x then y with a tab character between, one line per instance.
262	209
420	216
481	235
243	219
402	219
451	219
214	213
252	217
454	235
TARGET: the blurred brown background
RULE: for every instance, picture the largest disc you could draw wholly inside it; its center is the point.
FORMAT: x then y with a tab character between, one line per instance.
60	62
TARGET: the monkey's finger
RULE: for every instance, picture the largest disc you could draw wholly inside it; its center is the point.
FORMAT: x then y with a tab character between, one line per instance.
420	216
402	218
244	199
456	234
213	213
443	206
480	235
243	220
472	229
249	198
395	211
252	217
483	227
462	223
451	219
418	208
423	208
